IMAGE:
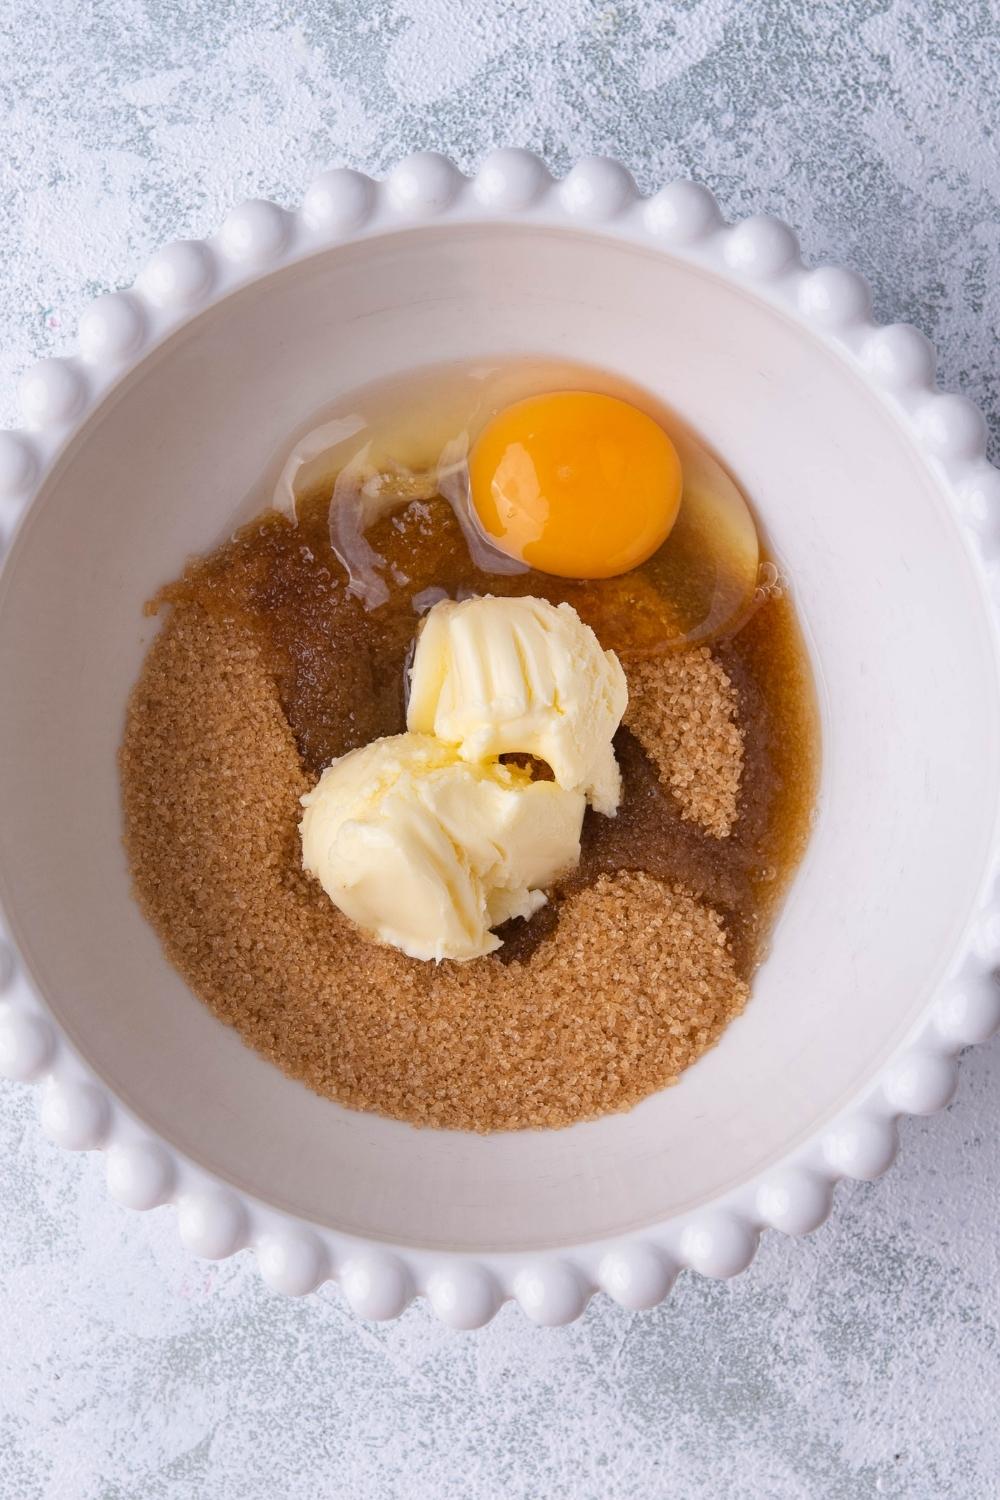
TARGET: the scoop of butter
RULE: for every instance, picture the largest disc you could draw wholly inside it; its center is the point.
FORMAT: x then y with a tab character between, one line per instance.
428	852
494	676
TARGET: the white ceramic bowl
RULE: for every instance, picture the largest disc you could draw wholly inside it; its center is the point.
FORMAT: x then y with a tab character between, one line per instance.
877	496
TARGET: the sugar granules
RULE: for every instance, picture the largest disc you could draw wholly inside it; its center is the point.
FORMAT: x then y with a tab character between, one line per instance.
683	710
631	987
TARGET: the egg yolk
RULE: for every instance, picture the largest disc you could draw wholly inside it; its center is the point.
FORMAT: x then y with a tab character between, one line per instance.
575	483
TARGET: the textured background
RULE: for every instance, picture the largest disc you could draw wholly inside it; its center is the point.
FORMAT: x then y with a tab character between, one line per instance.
862	1361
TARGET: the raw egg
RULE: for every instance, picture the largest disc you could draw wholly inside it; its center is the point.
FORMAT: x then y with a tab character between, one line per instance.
575	484
407	441
700	585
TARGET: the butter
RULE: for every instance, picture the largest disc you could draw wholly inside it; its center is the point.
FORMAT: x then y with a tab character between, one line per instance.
428	852
492	676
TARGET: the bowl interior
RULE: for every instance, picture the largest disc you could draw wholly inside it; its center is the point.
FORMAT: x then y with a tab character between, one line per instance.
895	622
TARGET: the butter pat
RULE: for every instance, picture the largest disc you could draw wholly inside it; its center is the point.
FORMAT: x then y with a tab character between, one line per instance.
492	676
427	852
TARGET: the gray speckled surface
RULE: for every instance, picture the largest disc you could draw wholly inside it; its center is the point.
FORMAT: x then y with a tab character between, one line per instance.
862	1361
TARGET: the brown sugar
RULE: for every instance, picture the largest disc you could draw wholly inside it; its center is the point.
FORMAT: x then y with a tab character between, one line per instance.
633	984
682	708
266	667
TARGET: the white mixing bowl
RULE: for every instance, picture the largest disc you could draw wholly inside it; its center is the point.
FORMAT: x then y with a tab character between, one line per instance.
877	498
